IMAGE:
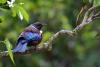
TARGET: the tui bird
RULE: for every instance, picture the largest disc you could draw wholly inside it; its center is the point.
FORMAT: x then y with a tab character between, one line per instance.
31	36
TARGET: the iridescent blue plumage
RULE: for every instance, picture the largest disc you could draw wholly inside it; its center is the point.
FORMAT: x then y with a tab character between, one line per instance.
31	36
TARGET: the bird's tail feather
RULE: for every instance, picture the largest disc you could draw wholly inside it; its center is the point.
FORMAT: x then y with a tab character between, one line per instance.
21	47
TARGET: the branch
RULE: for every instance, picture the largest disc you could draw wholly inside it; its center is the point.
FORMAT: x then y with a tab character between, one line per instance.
86	20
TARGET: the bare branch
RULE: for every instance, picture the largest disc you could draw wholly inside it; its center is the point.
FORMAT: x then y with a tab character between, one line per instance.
87	19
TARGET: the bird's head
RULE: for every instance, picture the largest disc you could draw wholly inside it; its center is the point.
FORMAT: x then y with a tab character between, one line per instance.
38	25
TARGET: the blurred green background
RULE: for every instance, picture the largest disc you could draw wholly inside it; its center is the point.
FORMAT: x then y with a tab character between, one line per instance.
80	51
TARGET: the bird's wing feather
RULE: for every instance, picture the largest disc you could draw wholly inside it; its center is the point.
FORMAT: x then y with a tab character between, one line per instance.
31	36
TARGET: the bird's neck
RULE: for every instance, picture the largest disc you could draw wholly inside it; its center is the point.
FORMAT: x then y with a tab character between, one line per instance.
32	28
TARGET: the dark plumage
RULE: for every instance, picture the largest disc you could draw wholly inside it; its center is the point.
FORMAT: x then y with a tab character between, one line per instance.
31	36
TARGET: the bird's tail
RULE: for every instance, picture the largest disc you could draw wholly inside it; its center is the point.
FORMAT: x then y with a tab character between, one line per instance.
21	47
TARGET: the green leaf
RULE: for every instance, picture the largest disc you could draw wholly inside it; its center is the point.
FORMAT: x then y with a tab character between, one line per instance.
3	1
96	3
9	47
14	11
22	13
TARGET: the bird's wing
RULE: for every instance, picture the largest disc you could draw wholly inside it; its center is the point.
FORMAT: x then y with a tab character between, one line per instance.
32	36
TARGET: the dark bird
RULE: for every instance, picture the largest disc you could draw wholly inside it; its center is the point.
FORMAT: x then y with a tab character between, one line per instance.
31	36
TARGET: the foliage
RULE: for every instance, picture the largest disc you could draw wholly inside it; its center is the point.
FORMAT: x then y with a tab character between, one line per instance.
9	47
